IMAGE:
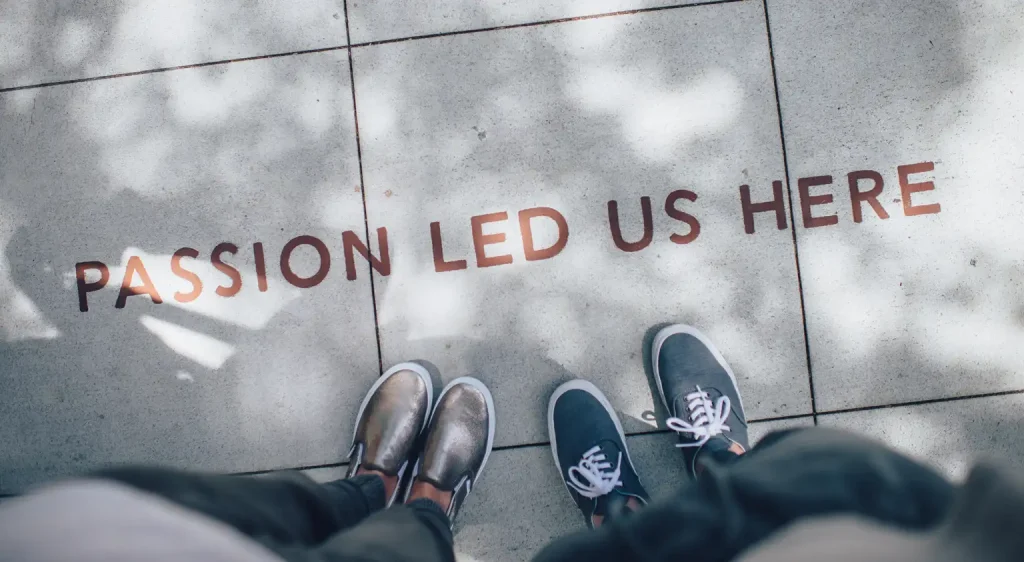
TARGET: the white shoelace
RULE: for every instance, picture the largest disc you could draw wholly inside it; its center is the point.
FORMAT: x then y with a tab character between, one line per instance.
707	418
593	476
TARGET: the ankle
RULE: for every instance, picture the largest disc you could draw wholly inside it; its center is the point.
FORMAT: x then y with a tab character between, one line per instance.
632	504
426	491
719	452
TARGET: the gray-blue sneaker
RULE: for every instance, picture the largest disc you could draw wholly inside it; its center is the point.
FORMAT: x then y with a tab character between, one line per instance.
700	393
590	452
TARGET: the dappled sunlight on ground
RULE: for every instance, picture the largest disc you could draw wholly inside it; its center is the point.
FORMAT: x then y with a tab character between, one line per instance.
509	171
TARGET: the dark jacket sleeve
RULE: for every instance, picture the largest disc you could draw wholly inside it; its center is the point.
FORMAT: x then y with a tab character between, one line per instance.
789	476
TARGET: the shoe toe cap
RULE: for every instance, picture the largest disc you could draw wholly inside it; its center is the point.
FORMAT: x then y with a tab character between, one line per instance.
393	420
458	437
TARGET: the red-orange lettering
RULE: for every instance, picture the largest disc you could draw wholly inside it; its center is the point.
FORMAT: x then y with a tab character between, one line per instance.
135	266
807	200
481	240
322	270
907	188
670	210
351	241
613	223
776	204
191	277
85	288
236	277
870	196
533	254
440	265
261	267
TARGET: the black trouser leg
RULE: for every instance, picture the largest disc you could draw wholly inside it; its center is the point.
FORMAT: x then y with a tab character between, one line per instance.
302	520
286	508
417	531
788	476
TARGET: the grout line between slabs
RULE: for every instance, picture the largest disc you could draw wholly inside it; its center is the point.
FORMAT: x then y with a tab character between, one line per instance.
362	192
814	416
792	218
169	69
4	495
922	402
514	447
658	431
545	22
350	46
273	470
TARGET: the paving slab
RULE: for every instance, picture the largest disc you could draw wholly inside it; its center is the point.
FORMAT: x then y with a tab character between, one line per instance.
951	436
50	40
502	522
128	171
569	118
927	303
380	21
326	473
321	474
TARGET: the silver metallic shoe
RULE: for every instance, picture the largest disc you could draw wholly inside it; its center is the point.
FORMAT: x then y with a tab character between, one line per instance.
393	415
459	440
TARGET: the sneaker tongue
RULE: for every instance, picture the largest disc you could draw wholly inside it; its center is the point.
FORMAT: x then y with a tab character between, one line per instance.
612	504
611	450
682	405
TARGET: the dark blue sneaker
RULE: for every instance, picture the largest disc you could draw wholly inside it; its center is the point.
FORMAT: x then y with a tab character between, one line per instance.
699	390
590	452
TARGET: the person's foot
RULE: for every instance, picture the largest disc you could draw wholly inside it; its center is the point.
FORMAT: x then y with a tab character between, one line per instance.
458	442
699	390
392	416
590	452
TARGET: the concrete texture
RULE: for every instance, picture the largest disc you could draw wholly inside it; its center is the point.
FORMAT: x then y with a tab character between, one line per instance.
321	474
911	307
50	40
327	473
470	121
572	116
951	436
521	504
380	21
245	153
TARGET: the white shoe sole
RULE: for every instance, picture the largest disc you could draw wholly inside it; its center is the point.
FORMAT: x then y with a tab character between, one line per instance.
589	388
407	366
475	383
667	332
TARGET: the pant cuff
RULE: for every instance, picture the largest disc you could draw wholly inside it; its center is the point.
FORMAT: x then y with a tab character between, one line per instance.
369	487
434	517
